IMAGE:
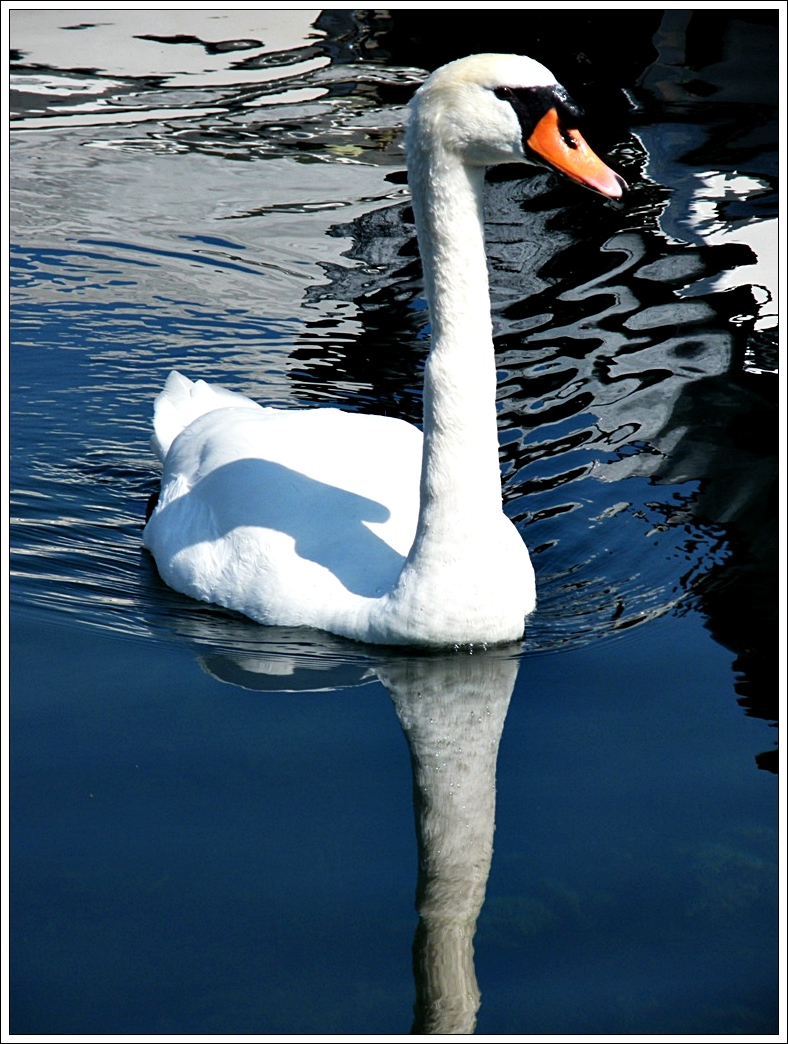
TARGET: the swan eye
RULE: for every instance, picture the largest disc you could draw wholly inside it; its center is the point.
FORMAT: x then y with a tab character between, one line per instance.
504	93
566	136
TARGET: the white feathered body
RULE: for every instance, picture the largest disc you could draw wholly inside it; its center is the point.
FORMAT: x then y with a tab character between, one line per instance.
306	518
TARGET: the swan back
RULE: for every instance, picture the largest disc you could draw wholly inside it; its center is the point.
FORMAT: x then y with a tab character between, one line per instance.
181	402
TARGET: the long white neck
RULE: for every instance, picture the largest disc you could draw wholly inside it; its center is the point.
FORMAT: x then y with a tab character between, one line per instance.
467	577
464	550
460	479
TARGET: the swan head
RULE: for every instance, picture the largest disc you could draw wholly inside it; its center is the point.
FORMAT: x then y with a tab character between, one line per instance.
489	109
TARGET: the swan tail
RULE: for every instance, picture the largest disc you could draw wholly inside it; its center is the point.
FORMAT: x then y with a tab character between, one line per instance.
182	401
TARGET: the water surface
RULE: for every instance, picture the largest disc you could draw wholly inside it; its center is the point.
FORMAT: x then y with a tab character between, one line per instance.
213	823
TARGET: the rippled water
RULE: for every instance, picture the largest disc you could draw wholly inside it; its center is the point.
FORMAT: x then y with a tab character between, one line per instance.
223	193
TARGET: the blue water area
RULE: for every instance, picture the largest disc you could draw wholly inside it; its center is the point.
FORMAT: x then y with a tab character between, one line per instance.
204	858
222	828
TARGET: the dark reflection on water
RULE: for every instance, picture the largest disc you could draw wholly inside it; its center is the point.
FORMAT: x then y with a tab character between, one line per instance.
636	348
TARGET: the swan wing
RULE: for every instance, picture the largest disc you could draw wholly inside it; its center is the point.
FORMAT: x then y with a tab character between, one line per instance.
289	516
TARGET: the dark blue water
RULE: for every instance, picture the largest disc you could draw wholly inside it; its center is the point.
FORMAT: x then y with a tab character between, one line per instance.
212	824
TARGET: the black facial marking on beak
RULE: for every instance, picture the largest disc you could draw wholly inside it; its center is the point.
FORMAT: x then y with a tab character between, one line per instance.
549	119
531	103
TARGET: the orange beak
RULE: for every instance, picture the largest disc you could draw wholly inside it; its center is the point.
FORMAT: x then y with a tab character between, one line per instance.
567	151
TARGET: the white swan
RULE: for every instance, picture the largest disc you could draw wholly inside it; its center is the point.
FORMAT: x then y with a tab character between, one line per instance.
353	524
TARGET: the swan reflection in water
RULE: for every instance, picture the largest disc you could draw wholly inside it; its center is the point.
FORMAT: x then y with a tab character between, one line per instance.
451	706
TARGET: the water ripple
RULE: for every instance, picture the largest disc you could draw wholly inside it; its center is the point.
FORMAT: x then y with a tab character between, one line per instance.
232	204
